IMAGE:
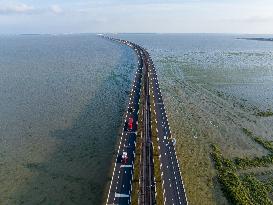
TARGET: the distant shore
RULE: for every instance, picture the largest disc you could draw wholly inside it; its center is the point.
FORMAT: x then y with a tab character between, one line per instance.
257	39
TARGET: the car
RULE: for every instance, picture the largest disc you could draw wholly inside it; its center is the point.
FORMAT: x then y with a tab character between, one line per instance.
130	109
124	158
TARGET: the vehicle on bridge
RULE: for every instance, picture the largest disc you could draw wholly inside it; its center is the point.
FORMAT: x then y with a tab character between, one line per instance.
130	110
130	123
124	158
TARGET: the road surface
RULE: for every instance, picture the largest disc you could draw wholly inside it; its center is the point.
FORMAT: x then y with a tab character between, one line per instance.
173	186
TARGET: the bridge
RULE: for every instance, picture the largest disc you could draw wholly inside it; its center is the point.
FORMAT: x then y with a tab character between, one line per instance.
120	189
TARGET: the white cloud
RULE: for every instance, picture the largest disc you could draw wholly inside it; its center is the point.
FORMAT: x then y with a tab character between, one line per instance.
259	19
56	9
17	8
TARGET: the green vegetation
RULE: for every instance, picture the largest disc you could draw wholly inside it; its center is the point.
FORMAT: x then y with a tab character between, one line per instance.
245	190
243	163
266	144
229	180
247	132
266	113
258	190
269	184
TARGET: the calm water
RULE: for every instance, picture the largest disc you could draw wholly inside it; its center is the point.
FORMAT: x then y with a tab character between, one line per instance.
242	68
61	104
62	99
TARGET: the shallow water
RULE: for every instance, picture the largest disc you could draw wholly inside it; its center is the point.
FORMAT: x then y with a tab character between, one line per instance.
236	66
62	99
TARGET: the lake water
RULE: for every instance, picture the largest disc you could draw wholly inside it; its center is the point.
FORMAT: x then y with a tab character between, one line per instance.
62	99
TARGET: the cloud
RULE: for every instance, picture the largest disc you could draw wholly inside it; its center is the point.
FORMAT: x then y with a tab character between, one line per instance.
17	8
21	8
56	9
259	19
251	19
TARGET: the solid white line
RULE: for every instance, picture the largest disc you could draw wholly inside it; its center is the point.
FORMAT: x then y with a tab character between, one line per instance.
125	166
121	195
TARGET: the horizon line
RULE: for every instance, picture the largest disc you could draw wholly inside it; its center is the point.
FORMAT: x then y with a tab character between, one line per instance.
117	33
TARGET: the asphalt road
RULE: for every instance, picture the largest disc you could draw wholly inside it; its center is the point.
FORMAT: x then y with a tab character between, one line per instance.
173	186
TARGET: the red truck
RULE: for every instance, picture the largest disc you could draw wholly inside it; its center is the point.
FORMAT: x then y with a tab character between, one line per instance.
130	123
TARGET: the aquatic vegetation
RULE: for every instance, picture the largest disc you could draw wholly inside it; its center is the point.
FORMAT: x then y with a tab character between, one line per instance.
266	144
269	184
243	163
247	132
258	191
266	113
243	190
230	181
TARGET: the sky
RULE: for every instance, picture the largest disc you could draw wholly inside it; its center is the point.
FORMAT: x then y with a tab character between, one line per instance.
139	16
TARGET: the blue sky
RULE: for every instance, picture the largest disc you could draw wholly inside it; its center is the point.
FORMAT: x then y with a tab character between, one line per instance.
173	16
